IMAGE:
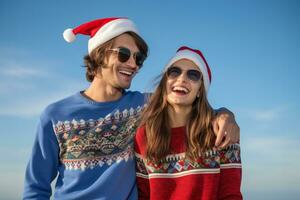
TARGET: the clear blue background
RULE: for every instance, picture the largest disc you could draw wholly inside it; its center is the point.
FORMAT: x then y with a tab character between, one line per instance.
253	48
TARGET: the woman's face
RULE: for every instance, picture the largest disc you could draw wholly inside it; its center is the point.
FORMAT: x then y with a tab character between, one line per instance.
183	83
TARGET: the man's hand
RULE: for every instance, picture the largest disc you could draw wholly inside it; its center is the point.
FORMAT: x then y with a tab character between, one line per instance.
225	128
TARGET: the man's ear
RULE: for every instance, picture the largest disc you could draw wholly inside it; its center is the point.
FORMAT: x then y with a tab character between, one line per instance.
98	71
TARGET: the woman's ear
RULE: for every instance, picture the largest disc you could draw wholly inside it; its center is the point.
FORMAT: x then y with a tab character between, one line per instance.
198	94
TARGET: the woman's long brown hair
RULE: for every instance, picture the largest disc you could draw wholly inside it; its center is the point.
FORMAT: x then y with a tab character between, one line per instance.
200	136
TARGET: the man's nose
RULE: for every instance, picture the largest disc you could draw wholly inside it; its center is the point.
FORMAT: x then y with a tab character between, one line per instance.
131	62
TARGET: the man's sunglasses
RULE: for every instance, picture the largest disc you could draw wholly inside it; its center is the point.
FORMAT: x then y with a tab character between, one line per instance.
125	53
192	74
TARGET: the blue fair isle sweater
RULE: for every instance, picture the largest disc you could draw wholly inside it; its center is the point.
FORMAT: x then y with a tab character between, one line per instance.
88	146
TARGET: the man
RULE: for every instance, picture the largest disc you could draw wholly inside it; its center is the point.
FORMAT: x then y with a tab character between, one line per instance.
87	138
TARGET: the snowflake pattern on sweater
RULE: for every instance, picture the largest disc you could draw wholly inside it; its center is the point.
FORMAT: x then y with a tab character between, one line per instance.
86	144
177	163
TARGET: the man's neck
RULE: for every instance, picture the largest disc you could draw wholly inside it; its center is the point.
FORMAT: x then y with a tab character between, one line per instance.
101	92
179	115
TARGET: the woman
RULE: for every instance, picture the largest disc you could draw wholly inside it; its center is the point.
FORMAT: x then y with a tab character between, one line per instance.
174	147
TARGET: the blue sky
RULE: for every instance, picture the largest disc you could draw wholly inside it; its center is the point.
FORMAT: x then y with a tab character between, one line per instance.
252	47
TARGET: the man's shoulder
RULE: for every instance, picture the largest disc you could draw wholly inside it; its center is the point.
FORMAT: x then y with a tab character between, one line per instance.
59	105
138	95
134	95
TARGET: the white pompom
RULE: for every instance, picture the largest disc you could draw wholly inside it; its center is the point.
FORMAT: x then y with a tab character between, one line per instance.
69	35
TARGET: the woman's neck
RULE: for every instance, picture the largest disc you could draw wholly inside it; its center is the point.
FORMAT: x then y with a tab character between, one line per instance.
100	91
178	115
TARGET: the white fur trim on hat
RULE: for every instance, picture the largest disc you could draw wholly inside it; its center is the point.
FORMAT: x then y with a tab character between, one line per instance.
111	30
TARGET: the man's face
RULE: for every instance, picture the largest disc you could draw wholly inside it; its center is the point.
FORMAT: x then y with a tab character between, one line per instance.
120	74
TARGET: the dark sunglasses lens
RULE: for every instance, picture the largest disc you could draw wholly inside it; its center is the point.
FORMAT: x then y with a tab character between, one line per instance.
124	54
173	72
194	75
139	58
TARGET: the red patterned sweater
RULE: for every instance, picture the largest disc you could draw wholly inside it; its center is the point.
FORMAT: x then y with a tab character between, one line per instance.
215	175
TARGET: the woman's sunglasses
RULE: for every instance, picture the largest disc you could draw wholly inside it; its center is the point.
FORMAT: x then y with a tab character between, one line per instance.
192	74
125	53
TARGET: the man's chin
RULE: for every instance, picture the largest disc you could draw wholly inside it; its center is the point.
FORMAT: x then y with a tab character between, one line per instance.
124	86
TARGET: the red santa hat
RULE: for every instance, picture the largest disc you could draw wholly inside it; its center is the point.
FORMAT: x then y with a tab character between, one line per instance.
197	57
101	30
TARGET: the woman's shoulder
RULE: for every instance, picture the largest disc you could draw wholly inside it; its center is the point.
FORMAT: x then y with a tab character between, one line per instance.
140	139
140	133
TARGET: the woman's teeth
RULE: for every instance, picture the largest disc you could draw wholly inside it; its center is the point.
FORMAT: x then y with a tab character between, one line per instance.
180	89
